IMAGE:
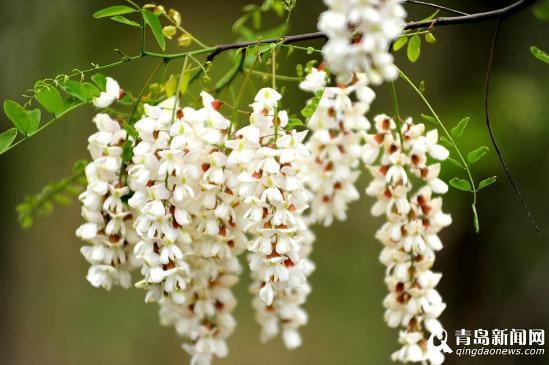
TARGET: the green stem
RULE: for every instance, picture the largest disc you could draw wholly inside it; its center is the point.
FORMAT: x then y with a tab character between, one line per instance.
278	77
240	94
453	143
397	112
179	83
140	95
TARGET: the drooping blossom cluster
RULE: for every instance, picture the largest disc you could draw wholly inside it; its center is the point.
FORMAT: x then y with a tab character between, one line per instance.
271	178
109	221
338	127
188	225
196	194
401	158
360	33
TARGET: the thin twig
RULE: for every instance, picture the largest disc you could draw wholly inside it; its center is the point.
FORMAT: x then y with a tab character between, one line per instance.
491	132
473	18
436	6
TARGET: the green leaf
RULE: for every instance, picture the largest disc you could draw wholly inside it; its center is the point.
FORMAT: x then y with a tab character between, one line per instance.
456	163
399	43
414	48
50	99
127	151
62	199
430	38
310	108
7	138
541	10
539	54
170	86
185	79
294	122
113	11
100	80
154	23
83	91
445	141
486	182
460	184
231	74
458	130
256	19
18	116
35	120
477	154
123	20
127	99
429	118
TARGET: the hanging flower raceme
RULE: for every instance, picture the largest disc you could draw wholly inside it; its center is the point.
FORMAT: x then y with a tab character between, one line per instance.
410	235
338	127
360	33
205	319
271	182
163	175
108	228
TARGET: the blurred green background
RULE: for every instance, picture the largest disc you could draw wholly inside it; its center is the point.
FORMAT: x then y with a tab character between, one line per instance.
496	279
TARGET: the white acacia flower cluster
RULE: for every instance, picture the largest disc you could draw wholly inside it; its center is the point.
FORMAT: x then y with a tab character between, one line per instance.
271	178
360	33
188	223
410	235
338	127
109	221
197	195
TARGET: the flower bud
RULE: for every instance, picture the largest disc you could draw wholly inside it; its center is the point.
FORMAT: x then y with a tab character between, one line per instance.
184	40
169	31
175	16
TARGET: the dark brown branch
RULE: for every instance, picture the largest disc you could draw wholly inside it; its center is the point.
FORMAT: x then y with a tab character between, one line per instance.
473	18
284	40
436	6
491	132
436	22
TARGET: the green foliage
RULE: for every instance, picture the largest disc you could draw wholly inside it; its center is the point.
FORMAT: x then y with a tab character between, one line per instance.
460	184
123	20
153	23
486	182
399	43
294	122
127	151
312	105
249	25
429	118
7	138
114	11
539	54
541	10
476	154
458	130
50	99
83	91
233	72
26	121
456	163
60	192
100	80
414	48
412	38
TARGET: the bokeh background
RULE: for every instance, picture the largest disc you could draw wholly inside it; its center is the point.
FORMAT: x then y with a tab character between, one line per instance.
496	279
